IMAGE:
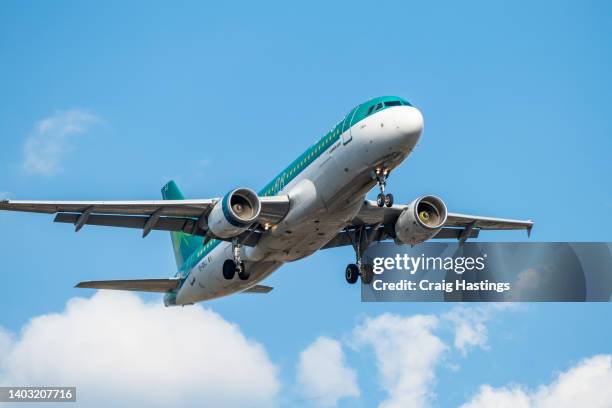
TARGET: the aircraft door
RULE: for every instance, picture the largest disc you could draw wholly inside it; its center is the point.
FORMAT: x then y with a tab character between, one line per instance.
346	127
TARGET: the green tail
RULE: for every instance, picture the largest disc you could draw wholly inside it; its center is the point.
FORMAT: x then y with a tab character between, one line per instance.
184	244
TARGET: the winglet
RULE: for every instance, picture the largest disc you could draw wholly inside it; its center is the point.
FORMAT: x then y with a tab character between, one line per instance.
529	229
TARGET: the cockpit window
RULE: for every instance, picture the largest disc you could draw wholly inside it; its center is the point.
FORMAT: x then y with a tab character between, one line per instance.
374	108
393	103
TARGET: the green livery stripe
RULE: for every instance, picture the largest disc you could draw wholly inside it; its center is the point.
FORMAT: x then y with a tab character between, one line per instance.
355	116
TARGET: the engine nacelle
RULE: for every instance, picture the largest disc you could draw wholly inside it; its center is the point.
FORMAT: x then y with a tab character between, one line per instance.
232	215
421	220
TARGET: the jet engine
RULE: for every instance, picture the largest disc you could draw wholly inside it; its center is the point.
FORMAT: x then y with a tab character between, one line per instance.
421	220
232	215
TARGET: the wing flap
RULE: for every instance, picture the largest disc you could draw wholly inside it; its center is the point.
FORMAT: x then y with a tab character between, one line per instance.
130	221
140	285
456	233
347	238
186	225
487	223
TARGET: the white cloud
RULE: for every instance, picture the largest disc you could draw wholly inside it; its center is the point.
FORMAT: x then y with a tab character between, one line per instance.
52	139
587	384
119	350
6	342
408	349
4	195
407	353
469	324
470	330
322	373
499	398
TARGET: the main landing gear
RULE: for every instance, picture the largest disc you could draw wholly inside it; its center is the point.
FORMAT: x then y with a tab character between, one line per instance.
236	265
361	239
353	272
383	199
230	268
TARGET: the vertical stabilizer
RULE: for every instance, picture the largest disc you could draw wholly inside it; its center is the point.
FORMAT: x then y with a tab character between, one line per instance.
184	244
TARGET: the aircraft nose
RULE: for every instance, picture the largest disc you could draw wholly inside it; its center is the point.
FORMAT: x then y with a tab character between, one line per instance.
409	122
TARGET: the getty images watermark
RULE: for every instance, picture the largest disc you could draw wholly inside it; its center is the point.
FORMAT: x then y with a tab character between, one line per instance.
413	264
556	271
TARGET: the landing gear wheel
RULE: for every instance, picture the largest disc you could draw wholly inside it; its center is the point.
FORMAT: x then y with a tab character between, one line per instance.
243	274
352	273
380	200
229	269
388	200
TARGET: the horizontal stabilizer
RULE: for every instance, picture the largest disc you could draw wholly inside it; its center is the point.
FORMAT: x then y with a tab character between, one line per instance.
259	289
141	285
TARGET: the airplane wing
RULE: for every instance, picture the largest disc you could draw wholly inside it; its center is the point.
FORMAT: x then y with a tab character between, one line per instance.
188	216
378	222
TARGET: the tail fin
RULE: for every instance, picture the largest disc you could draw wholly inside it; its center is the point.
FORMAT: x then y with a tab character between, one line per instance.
184	244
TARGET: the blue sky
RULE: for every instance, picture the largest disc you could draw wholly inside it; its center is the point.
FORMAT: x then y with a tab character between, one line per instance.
515	97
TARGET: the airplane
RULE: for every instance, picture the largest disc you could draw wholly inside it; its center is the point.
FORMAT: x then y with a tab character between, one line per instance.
230	244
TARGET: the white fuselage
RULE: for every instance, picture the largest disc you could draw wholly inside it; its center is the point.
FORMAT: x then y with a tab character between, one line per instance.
324	197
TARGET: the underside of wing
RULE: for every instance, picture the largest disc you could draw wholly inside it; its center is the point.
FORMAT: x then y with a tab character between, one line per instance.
180	208
350	236
371	214
188	216
374	223
487	223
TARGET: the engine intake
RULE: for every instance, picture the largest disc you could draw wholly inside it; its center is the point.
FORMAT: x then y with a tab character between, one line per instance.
234	213
421	220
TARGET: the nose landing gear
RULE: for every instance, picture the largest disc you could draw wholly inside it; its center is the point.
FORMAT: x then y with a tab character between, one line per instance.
383	199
